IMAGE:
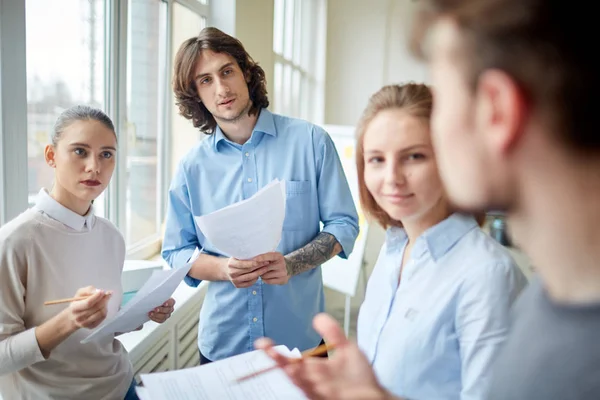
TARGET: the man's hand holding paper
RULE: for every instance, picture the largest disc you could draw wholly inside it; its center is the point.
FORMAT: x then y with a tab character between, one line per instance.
249	232
243	273
276	268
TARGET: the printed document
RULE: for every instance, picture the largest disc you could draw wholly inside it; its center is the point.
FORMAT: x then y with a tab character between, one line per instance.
250	227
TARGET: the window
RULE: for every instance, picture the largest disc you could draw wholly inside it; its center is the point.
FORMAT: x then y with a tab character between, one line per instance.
298	31
146	92
65	67
113	55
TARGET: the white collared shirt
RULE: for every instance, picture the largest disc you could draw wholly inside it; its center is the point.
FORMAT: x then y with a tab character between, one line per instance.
52	208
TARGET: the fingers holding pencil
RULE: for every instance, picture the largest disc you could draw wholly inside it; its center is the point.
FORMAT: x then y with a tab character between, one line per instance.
346	374
91	308
280	360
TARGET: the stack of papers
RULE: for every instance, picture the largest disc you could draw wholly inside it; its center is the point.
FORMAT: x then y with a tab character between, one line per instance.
250	227
218	380
157	289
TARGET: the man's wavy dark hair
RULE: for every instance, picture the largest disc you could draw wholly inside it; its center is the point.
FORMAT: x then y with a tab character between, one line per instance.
186	95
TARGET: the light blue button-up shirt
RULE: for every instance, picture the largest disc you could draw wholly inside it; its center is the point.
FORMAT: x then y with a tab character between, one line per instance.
217	173
436	334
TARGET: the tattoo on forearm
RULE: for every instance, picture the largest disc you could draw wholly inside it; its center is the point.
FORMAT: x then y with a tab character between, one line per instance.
320	249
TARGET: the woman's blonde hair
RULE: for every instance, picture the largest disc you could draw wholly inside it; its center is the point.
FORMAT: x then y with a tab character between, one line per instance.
415	99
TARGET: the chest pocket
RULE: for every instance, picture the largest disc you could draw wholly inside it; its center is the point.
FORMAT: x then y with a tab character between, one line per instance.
297	205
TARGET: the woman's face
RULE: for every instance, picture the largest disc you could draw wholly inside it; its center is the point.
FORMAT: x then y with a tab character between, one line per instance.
400	168
83	159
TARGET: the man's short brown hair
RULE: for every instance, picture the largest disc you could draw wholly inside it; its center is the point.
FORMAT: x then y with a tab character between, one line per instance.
546	46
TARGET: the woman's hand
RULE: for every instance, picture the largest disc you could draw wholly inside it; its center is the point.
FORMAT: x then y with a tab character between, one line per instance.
90	312
162	313
87	313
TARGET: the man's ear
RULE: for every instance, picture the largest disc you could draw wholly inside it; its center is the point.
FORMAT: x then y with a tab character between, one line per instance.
501	110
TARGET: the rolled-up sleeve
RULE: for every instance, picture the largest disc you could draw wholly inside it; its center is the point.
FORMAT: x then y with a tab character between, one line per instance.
482	322
180	238
336	206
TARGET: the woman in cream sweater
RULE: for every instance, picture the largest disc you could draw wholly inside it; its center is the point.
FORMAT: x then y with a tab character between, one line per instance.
59	249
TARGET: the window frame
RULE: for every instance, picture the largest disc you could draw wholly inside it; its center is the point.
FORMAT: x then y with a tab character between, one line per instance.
116	95
13	110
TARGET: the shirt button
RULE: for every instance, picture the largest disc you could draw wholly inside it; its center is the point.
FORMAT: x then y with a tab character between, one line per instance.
254	319
247	154
249	179
254	292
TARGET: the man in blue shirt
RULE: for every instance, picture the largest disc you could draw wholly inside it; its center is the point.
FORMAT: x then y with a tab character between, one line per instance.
223	91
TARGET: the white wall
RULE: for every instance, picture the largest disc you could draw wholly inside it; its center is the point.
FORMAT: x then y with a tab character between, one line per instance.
254	28
401	65
366	49
251	21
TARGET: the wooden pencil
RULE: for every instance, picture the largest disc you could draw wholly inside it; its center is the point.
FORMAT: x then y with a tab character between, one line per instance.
317	351
71	299
61	301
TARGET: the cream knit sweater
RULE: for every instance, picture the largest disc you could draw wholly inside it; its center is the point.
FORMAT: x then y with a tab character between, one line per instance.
42	259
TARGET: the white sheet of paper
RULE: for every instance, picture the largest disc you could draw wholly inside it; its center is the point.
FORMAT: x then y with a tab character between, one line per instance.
157	289
250	227
218	380
142	393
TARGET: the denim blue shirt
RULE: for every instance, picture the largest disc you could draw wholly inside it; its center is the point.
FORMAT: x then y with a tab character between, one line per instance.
217	173
436	334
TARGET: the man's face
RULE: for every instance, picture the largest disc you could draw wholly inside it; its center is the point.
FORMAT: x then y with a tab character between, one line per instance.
465	155
221	86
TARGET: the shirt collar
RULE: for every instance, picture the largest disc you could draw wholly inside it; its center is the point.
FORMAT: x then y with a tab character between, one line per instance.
55	210
438	239
264	124
443	236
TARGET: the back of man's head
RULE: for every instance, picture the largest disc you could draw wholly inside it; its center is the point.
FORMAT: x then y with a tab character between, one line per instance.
544	45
